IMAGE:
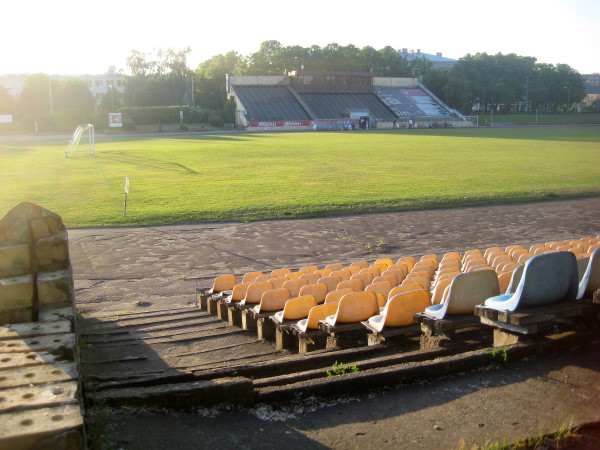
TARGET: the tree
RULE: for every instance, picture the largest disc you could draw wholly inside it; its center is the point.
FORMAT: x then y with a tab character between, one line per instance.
162	79
7	102
210	89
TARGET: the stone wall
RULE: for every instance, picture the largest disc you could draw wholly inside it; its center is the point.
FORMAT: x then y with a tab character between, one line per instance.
35	270
40	389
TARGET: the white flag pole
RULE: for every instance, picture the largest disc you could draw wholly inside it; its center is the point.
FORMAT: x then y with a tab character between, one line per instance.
126	192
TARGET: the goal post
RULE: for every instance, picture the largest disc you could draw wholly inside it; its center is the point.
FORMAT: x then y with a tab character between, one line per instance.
83	130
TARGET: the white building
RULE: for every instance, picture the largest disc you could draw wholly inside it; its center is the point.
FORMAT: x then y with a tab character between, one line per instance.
99	84
438	61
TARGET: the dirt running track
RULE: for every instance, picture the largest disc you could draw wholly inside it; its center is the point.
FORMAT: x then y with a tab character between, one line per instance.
137	269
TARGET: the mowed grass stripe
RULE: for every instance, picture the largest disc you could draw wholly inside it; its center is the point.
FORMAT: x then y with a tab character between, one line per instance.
287	175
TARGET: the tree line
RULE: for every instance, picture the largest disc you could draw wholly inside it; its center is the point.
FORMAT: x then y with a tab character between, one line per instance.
162	78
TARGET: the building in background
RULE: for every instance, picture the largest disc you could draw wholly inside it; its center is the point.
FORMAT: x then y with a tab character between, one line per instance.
99	85
439	62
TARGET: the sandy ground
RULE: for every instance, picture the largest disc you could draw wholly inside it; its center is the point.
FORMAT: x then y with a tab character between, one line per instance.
116	268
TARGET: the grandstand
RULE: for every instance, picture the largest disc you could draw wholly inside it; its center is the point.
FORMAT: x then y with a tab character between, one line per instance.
337	100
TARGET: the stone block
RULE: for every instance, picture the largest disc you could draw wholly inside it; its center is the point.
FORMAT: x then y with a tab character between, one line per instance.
36	375
44	227
14	260
43	396
52	252
27	359
16	292
55	289
60	427
17	231
23	330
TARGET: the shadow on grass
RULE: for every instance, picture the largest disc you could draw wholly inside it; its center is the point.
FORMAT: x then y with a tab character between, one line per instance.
146	162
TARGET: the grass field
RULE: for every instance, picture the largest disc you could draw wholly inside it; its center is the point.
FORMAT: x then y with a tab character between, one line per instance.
241	177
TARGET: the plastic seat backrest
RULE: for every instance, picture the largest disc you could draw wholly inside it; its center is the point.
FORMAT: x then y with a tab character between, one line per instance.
375	270
508	266
403	289
318	313
278	282
547	278
471	289
251	276
590	281
382	287
318	291
425	283
334	267
365	277
400	266
438	291
281	272
397	274
400	309
419	274
582	264
409	261
356	285
335	296
385	261
264	277
324	272
239	291
255	292
489	250
294	286
330	282
312	278
293	275
360	264
447	274
392	279
524	257
298	307
274	300
224	283
343	274
515	278
352	269
308	269
356	307
504	281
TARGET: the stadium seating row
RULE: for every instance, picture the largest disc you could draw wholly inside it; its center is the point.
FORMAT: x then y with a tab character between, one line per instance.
394	294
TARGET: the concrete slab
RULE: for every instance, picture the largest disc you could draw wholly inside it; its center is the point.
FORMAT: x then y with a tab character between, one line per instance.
25	359
40	374
31	329
59	342
25	429
36	397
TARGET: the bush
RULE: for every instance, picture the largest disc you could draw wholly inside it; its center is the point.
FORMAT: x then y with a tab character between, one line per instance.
216	119
152	115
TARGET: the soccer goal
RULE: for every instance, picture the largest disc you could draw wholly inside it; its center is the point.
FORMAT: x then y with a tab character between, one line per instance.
82	131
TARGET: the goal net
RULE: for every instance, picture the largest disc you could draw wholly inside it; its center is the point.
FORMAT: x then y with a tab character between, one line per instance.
85	131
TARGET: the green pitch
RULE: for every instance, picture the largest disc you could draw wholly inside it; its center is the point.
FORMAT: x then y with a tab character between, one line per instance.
241	177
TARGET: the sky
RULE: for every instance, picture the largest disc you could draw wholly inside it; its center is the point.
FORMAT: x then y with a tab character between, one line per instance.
71	37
